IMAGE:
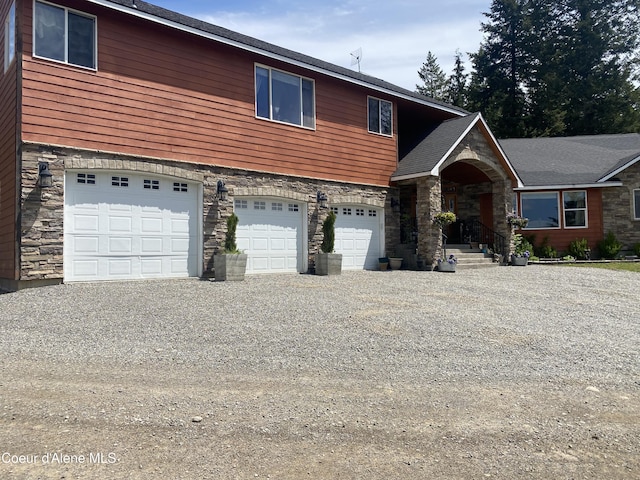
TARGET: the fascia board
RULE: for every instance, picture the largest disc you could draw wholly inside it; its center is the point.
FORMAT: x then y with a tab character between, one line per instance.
621	169
568	187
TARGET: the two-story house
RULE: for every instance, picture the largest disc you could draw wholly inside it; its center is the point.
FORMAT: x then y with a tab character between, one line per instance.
130	133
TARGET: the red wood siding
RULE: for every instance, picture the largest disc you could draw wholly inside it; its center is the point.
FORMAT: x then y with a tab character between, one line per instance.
165	94
8	122
560	238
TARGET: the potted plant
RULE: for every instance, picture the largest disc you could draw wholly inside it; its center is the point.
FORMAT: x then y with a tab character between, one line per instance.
521	252
442	220
231	264
328	262
448	265
383	263
395	262
516	221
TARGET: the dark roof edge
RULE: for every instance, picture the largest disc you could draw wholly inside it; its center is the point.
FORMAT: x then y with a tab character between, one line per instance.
619	168
200	28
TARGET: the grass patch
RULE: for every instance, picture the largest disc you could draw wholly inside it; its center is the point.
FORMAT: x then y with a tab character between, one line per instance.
625	266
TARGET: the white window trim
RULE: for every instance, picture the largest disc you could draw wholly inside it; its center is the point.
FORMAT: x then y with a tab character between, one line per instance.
586	210
380	117
271	119
560	211
9	34
636	213
66	45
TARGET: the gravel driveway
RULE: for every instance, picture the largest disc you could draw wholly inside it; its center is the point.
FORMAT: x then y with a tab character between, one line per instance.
501	373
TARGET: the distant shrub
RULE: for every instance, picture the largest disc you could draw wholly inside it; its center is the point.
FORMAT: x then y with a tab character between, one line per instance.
609	247
547	251
578	248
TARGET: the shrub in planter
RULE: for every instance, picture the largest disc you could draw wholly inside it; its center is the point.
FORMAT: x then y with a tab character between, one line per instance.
231	264
327	262
609	247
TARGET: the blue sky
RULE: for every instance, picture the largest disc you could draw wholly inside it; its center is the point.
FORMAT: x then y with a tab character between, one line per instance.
394	36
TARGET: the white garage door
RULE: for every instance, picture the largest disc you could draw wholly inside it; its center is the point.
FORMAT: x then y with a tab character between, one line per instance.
358	236
129	226
270	231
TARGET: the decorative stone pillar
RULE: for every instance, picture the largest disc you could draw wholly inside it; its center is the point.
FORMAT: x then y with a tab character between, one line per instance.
429	202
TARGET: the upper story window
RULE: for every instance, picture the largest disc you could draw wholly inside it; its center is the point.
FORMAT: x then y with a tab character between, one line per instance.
636	204
541	208
64	35
575	209
285	98
10	37
380	116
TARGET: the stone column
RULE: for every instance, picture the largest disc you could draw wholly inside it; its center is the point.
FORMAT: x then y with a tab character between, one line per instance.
429	192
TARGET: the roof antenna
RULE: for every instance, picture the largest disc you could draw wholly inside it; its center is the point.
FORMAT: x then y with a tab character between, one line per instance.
356	58
133	4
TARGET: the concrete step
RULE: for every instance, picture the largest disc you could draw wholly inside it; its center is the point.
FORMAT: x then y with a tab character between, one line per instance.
469	258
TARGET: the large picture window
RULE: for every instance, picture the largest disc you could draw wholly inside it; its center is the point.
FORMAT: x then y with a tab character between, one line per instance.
636	203
542	209
380	116
10	37
64	35
284	97
575	209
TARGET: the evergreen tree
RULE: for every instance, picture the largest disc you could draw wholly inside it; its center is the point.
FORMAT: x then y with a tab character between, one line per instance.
456	90
434	81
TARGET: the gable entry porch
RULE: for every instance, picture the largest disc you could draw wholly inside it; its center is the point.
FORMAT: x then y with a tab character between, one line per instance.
458	167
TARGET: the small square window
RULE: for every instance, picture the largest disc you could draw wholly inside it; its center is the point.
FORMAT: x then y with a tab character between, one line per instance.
359	212
86	178
293	207
119	181
276	207
242	204
335	210
373	213
180	187
346	211
152	184
259	205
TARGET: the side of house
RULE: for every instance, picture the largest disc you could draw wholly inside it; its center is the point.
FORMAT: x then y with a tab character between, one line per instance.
157	126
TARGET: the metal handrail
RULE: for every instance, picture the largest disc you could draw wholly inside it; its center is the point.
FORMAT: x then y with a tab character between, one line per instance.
478	232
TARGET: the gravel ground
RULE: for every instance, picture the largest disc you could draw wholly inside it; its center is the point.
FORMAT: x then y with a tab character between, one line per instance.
500	373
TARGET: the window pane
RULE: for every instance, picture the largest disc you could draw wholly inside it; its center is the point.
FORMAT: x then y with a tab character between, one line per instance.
10	37
286	98
385	118
49	31
374	115
575	218
262	92
575	200
81	40
308	111
541	209
636	194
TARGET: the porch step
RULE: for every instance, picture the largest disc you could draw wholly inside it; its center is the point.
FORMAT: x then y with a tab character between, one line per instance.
470	257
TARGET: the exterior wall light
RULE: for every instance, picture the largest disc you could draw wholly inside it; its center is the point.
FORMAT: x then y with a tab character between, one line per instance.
45	177
221	191
395	205
322	199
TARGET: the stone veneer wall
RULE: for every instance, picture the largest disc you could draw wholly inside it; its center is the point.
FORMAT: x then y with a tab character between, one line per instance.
429	190
617	208
43	209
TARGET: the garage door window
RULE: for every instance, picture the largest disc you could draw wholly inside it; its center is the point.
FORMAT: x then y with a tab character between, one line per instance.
151	184
180	187
86	178
294	207
373	213
120	181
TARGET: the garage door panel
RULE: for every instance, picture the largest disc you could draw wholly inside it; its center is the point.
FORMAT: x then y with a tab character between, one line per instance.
270	235
138	232
358	236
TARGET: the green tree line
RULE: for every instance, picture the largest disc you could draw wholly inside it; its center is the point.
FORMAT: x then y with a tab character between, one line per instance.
549	68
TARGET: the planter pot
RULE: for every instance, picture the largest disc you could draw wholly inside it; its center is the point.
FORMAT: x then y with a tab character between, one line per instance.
328	263
395	263
519	261
230	267
383	265
446	267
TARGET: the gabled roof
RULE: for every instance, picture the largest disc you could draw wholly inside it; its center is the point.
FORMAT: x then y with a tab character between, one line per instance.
194	26
434	148
571	161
